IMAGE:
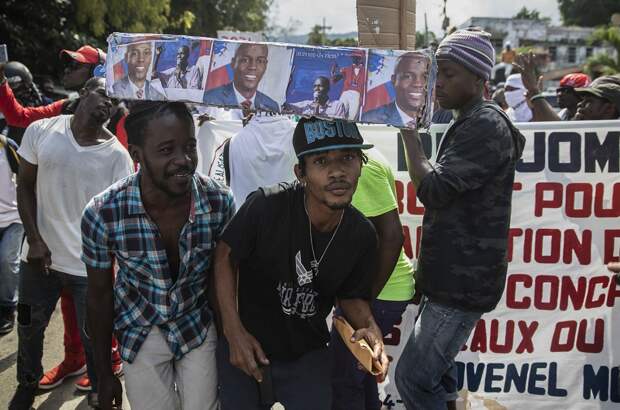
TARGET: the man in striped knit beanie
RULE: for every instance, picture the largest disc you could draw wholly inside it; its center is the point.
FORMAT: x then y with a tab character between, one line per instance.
467	195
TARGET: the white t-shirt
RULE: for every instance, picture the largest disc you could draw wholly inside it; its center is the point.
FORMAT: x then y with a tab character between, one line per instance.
261	154
68	176
8	195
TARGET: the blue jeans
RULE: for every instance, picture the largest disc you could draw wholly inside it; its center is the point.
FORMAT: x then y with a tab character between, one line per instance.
10	246
353	388
38	295
426	373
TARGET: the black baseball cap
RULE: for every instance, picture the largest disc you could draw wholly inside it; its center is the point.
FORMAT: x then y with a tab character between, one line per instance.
314	135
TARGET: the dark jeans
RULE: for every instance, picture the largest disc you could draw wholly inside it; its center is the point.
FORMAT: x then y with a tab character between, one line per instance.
354	388
38	296
302	384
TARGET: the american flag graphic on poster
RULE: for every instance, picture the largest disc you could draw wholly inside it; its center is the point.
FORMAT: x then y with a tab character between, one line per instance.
115	67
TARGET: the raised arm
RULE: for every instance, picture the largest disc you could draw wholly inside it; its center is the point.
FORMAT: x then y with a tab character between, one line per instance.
417	163
19	116
541	109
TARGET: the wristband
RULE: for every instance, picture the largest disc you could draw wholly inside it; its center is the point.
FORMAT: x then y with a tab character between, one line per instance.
536	97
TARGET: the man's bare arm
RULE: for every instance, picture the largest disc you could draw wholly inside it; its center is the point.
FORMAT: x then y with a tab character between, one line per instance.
246	352
100	308
391	239
417	163
27	206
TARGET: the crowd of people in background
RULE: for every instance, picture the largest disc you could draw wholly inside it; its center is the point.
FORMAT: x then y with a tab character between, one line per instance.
215	289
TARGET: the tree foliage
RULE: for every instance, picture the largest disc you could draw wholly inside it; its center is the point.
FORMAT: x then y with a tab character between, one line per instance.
604	64
36	30
422	41
317	37
533	14
101	17
213	15
588	13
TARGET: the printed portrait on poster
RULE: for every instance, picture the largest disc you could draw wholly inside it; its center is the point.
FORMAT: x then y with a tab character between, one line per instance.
181	65
129	66
248	75
396	89
326	82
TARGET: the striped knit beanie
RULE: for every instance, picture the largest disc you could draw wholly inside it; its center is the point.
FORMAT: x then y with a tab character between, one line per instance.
472	49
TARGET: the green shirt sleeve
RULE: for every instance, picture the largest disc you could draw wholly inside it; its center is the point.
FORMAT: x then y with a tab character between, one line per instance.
376	190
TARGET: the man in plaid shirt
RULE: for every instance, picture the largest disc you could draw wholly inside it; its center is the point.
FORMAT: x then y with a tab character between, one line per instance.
161	226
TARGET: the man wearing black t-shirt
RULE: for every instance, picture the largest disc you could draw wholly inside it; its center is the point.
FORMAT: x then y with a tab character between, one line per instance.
287	256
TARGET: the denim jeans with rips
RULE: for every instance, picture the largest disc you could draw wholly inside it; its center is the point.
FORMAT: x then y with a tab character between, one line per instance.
426	374
11	238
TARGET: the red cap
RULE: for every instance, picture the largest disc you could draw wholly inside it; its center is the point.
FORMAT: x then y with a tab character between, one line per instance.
575	80
85	55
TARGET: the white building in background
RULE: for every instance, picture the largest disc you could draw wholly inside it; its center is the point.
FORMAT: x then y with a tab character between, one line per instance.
565	46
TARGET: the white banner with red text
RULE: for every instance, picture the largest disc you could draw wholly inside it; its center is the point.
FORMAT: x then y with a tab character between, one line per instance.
554	340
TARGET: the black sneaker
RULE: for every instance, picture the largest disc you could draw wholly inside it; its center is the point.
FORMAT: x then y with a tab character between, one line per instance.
7	322
23	398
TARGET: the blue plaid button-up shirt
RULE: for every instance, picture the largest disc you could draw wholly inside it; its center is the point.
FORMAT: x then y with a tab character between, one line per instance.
115	225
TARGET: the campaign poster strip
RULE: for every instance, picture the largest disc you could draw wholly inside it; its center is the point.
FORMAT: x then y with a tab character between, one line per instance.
388	87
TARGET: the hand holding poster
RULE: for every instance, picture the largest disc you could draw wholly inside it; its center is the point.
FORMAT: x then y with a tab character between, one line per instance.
377	86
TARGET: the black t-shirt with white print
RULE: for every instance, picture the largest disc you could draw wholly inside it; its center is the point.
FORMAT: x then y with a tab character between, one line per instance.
281	302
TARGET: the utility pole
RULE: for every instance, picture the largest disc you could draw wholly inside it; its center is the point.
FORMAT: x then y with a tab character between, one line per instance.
325	28
446	21
425	31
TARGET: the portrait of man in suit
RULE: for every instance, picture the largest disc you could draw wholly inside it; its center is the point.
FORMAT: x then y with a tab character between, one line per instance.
135	84
249	65
409	81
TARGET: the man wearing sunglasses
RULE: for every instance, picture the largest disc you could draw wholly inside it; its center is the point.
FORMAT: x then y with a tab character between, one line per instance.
567	97
79	66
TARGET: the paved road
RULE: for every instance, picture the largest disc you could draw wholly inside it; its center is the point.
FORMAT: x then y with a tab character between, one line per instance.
64	397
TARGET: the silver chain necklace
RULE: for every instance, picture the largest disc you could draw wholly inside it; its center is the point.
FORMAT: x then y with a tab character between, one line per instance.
314	264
